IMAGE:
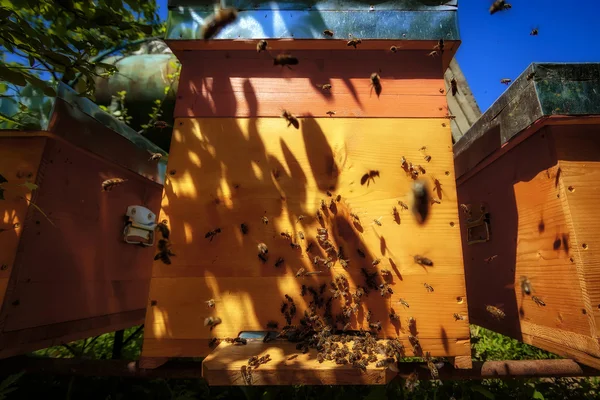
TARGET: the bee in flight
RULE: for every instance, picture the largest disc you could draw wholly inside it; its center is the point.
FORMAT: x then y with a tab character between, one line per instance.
218	21
285	60
290	118
109	184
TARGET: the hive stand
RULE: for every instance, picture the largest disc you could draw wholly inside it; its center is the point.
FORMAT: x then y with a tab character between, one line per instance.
533	161
234	160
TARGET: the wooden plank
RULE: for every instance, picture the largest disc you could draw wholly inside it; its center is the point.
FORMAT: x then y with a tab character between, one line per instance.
221	176
19	162
244	84
560	349
528	236
223	367
40	337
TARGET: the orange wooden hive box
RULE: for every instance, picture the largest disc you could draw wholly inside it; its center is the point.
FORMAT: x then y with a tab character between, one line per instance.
532	162
66	272
235	161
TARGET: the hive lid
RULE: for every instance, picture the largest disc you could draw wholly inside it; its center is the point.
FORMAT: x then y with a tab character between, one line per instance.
406	20
544	91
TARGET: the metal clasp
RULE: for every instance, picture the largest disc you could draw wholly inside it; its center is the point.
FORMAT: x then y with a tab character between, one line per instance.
140	226
481	235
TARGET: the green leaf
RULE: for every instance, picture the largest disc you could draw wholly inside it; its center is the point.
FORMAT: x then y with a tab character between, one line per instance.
3	179
30	186
12	76
538	395
483	391
40	84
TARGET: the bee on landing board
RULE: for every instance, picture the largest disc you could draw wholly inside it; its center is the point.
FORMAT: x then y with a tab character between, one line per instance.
261	45
423	261
495	312
285	60
109	184
326	87
218	21
376	83
354	42
538	301
290	118
499	5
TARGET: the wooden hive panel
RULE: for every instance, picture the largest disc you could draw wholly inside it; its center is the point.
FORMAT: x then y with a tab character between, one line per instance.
224	172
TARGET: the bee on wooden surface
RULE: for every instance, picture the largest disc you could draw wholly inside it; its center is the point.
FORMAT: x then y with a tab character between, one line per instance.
285	60
303	272
279	262
265	220
404	303
295	246
428	287
354	42
490	259
319	215
355	217
309	247
261	45
328	32
385	289
375	326
212	234
439	46
403	162
262	249
458	317
427	158
403	205
164	251
326	87
530	76
376	83
360	364
291	120
412	325
505	81
435	374
538	301
338	198
212	321
386	362
433	53
420	208
332	206
495	312
358	294
272	324
301	235
453	86
109	184
369	176
465	209
394	316
525	285
323	205
210	303
393	49
378	221
286	235
154	156
376	262
423	261
218	21
163	228
360	252
343	263
499	5
386	273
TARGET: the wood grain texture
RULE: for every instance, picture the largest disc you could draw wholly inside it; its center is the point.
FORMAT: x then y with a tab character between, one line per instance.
74	264
20	158
530	237
221	175
247	84
223	367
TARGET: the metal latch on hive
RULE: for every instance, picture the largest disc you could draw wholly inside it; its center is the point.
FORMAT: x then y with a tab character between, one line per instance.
140	226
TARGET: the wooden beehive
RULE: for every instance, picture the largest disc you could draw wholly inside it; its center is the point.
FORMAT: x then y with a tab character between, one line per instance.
68	275
532	161
234	160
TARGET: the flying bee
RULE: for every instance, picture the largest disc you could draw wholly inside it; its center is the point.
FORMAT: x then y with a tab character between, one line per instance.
435	201
376	83
163	228
402	205
530	76
495	312
490	259
354	42
465	209
261	45
279	262
404	303
385	289
525	285
421	199
218	21
154	156
458	317
160	125
210	303
505	81
285	59
435	374
328	32
439	46
272	324
286	235
432	54
326	87
376	262
538	301
164	251
369	176
212	321
423	261
499	5
534	32
291	120
428	287
378	221
453	86
109	184
212	234
265	220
